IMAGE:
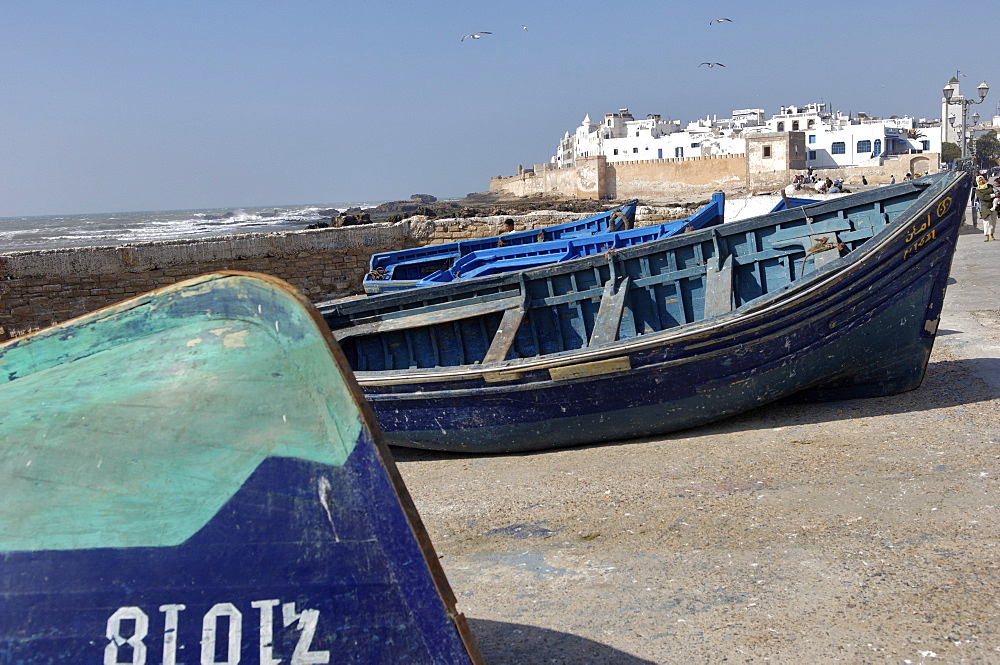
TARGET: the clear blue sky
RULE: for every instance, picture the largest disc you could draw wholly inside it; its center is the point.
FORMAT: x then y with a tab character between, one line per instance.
141	105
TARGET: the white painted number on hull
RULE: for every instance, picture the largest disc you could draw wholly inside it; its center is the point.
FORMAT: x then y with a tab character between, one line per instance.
128	628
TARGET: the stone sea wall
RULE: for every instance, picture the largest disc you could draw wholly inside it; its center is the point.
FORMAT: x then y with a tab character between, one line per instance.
45	287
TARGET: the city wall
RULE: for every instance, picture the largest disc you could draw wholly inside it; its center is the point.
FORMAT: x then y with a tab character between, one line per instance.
41	288
595	177
587	180
666	178
772	161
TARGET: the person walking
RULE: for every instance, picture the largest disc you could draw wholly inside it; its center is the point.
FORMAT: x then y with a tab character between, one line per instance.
986	194
995	210
974	207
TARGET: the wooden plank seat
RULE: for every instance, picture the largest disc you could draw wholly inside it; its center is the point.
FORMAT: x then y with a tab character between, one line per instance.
427	316
719	288
609	314
514	263
434	258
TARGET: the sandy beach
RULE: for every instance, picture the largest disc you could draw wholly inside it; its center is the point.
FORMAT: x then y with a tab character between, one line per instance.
857	531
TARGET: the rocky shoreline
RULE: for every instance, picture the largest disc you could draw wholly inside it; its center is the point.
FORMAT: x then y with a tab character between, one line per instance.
488	204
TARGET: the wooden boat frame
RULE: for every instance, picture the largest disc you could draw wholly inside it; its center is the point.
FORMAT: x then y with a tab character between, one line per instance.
727	341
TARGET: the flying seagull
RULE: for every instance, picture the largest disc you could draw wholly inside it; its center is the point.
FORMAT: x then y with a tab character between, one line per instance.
525	27
475	35
712	64
720	20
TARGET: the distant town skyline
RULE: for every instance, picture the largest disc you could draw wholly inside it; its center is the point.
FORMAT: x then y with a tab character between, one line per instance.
152	106
831	139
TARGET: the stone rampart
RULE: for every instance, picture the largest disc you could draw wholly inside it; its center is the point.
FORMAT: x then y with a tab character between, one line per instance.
663	179
595	177
587	180
660	179
44	287
41	288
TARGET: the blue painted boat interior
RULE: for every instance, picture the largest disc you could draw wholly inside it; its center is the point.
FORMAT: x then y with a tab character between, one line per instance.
791	202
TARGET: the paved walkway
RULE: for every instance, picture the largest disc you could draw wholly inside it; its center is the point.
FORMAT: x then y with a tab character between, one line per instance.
856	531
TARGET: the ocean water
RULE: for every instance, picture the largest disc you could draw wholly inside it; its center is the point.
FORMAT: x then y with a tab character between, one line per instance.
18	234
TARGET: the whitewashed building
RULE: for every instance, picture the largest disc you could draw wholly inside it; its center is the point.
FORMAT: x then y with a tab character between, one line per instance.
833	140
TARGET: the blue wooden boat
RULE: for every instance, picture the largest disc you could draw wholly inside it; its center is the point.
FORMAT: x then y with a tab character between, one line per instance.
787	202
520	257
402	269
832	300
192	476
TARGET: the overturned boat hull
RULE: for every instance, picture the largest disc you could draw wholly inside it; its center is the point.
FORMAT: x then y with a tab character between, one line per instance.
192	476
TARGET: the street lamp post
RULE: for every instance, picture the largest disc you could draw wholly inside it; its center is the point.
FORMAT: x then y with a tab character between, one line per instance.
949	92
959	134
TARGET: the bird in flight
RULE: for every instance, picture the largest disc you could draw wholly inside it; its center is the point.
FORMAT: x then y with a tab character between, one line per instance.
712	64
475	35
525	27
720	20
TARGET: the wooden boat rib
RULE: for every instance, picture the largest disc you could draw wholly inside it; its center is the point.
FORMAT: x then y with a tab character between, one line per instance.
832	300
193	476
404	268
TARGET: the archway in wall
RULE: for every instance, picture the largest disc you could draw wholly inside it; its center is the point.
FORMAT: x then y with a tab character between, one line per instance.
920	165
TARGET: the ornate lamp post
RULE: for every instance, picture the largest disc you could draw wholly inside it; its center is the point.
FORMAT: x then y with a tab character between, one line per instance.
959	134
949	92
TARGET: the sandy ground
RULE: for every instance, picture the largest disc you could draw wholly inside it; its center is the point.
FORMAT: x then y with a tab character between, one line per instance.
859	531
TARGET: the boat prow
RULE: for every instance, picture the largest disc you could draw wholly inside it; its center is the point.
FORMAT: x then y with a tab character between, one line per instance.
193	476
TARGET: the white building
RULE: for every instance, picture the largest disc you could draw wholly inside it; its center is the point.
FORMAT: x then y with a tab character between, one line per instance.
833	140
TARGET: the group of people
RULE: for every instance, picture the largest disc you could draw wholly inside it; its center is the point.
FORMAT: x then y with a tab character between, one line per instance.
987	198
831	187
822	185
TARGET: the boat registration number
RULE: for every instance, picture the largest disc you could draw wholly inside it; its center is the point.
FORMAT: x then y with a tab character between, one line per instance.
923	234
129	627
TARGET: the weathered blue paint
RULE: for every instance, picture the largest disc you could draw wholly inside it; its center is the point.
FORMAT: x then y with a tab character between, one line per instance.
283	534
402	269
791	202
831	300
